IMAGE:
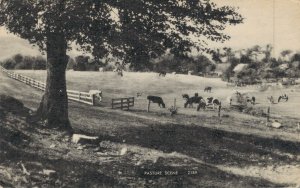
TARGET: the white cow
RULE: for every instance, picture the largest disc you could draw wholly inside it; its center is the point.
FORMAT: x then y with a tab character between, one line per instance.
97	95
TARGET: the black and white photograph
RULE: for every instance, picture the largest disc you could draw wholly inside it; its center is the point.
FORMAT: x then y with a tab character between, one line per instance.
149	93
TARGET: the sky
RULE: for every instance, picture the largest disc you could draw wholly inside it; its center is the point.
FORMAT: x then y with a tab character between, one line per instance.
275	22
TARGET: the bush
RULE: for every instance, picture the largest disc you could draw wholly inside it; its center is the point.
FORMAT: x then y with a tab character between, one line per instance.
8	64
25	62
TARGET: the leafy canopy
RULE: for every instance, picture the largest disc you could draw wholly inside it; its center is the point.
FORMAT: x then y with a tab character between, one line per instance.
120	27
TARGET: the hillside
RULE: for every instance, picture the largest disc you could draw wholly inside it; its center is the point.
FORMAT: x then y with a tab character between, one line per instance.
239	152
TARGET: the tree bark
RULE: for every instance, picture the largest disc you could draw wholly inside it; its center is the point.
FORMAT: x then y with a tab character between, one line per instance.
54	105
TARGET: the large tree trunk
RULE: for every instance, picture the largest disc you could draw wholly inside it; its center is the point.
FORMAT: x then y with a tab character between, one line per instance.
54	105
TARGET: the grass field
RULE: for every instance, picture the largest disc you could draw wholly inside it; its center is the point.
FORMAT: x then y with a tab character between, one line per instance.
238	151
171	87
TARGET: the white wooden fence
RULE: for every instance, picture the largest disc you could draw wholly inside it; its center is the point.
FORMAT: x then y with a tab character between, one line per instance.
83	97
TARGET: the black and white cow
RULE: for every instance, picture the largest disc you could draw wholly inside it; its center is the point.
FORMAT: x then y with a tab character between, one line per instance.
201	105
97	95
213	101
283	97
251	100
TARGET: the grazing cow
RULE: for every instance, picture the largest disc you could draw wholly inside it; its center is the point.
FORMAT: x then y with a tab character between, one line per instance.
284	97
252	100
202	104
139	94
162	73
271	100
207	89
158	100
97	95
213	101
190	101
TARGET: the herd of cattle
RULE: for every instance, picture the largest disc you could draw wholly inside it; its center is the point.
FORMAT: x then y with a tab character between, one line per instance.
200	101
203	103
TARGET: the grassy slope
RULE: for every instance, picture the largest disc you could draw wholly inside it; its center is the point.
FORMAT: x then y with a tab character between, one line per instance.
170	87
180	140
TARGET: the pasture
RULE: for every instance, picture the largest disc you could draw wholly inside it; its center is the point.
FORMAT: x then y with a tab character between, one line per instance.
237	151
171	87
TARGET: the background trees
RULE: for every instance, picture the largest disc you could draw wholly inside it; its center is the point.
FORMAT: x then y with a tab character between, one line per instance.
19	61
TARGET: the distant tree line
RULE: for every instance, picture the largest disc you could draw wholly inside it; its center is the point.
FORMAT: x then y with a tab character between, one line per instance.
19	61
260	64
196	64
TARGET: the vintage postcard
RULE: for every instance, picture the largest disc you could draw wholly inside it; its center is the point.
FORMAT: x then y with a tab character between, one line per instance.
145	93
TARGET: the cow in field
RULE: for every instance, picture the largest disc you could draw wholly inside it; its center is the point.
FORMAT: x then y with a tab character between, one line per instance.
207	89
283	97
97	95
251	100
191	100
201	105
214	102
156	99
271	100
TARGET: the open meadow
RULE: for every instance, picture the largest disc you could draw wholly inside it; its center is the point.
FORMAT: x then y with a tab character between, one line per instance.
237	150
171	87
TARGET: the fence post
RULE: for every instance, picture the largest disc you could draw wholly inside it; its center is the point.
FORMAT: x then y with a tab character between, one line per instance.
93	99
219	112
268	114
128	104
121	104
148	109
112	103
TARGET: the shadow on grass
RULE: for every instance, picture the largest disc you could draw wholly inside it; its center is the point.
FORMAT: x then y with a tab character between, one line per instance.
210	145
68	173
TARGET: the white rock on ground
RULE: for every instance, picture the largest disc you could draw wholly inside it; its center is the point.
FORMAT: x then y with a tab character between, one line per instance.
276	125
123	151
48	172
77	137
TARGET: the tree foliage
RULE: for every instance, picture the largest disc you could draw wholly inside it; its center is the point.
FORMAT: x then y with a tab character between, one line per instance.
119	27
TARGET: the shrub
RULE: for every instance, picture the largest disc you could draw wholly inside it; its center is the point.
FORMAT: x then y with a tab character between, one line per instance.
8	64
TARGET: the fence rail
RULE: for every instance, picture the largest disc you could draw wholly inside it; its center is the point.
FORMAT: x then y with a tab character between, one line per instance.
83	97
122	103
